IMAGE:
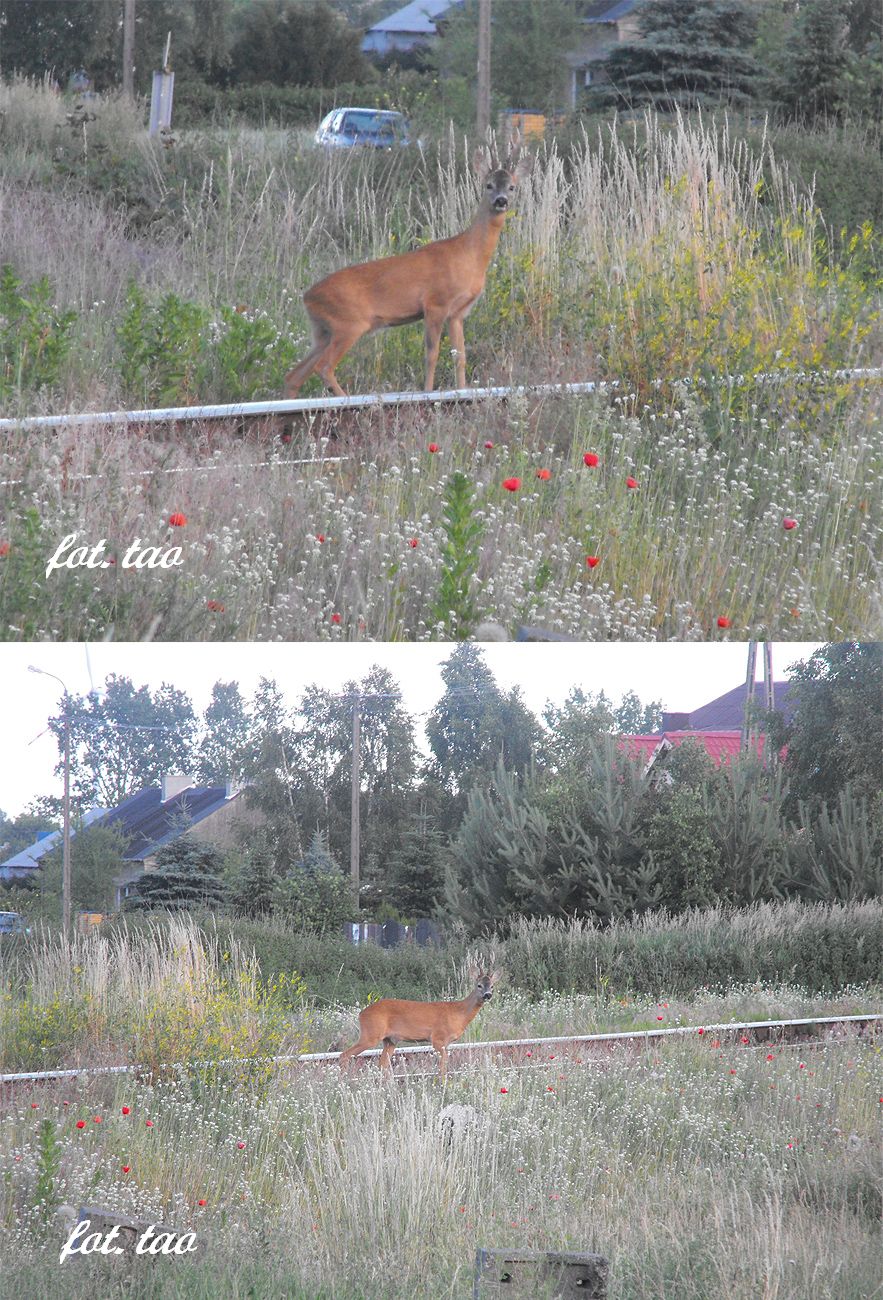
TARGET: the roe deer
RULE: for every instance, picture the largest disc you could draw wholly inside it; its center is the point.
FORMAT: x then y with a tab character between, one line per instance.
391	1022
437	284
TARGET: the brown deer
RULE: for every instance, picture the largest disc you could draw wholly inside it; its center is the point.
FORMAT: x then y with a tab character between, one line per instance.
437	284
391	1022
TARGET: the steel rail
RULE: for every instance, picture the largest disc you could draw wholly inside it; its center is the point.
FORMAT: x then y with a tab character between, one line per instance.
489	1046
314	405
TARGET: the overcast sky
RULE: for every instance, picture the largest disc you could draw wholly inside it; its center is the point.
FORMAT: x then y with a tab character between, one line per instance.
682	676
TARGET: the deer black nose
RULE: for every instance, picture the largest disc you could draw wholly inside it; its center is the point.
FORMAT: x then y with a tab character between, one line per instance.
501	203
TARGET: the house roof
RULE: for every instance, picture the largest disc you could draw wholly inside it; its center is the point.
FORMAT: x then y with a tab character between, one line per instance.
603	11
726	713
148	822
720	746
416	18
30	857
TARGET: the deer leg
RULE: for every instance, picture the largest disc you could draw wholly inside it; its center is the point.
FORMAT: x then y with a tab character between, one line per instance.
458	343
386	1055
342	339
365	1041
301	373
441	1048
432	332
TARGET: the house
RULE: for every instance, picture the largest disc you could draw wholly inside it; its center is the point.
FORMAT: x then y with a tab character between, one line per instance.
604	22
154	817
717	727
23	865
150	819
408	29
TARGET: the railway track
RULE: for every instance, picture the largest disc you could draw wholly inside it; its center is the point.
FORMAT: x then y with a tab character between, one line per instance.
535	1053
312	406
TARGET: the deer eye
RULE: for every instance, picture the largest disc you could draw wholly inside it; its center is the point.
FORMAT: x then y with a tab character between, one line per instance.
511	188
490	185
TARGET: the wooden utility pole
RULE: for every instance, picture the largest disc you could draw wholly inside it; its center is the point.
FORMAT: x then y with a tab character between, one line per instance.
483	114
354	802
129	48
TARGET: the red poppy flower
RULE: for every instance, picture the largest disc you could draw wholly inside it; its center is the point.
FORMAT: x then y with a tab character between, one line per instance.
511	484
177	520
335	618
200	1202
590	459
413	543
320	537
81	1123
241	1146
96	1119
34	1106
770	1056
592	560
215	606
433	446
126	1168
4	550
788	524
723	621
659	1017
488	445
544	474
701	1031
631	482
148	1123
504	1090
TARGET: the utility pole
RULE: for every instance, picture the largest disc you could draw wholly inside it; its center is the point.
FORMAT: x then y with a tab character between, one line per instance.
749	723
354	801
66	822
129	48
483	114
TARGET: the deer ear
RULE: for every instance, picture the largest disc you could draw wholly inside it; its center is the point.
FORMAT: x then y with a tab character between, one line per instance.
523	167
481	161
495	977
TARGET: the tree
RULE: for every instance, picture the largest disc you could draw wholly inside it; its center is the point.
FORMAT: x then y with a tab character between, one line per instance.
315	893
252	888
691	54
296	42
97	860
833	738
187	874
574	727
226	747
124	740
473	725
16	833
814	61
529	42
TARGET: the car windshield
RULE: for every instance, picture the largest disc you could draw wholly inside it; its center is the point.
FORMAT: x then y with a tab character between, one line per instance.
367	123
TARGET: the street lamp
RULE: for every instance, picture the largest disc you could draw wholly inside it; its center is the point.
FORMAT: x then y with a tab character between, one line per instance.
66	850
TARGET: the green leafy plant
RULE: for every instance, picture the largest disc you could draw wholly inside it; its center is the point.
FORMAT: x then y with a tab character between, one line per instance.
34	334
454	605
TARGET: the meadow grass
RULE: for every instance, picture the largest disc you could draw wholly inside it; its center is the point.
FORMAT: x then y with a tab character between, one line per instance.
179	991
683	256
696	1170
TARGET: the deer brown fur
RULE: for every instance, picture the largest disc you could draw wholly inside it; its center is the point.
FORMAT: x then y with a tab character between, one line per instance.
391	1022
437	284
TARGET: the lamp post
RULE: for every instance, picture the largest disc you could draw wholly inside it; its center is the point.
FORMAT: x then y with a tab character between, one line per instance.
66	823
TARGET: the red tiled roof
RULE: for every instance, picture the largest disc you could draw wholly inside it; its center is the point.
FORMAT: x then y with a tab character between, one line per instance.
720	746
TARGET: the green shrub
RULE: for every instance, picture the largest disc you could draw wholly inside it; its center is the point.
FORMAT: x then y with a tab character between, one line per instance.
34	335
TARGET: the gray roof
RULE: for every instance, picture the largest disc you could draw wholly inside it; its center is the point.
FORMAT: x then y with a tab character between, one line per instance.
30	857
417	17
148	823
603	11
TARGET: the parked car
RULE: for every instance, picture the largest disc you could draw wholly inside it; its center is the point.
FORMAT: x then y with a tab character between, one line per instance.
12	923
378	128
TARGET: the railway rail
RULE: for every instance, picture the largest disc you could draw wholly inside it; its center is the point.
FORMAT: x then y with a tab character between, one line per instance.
237	411
537	1053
